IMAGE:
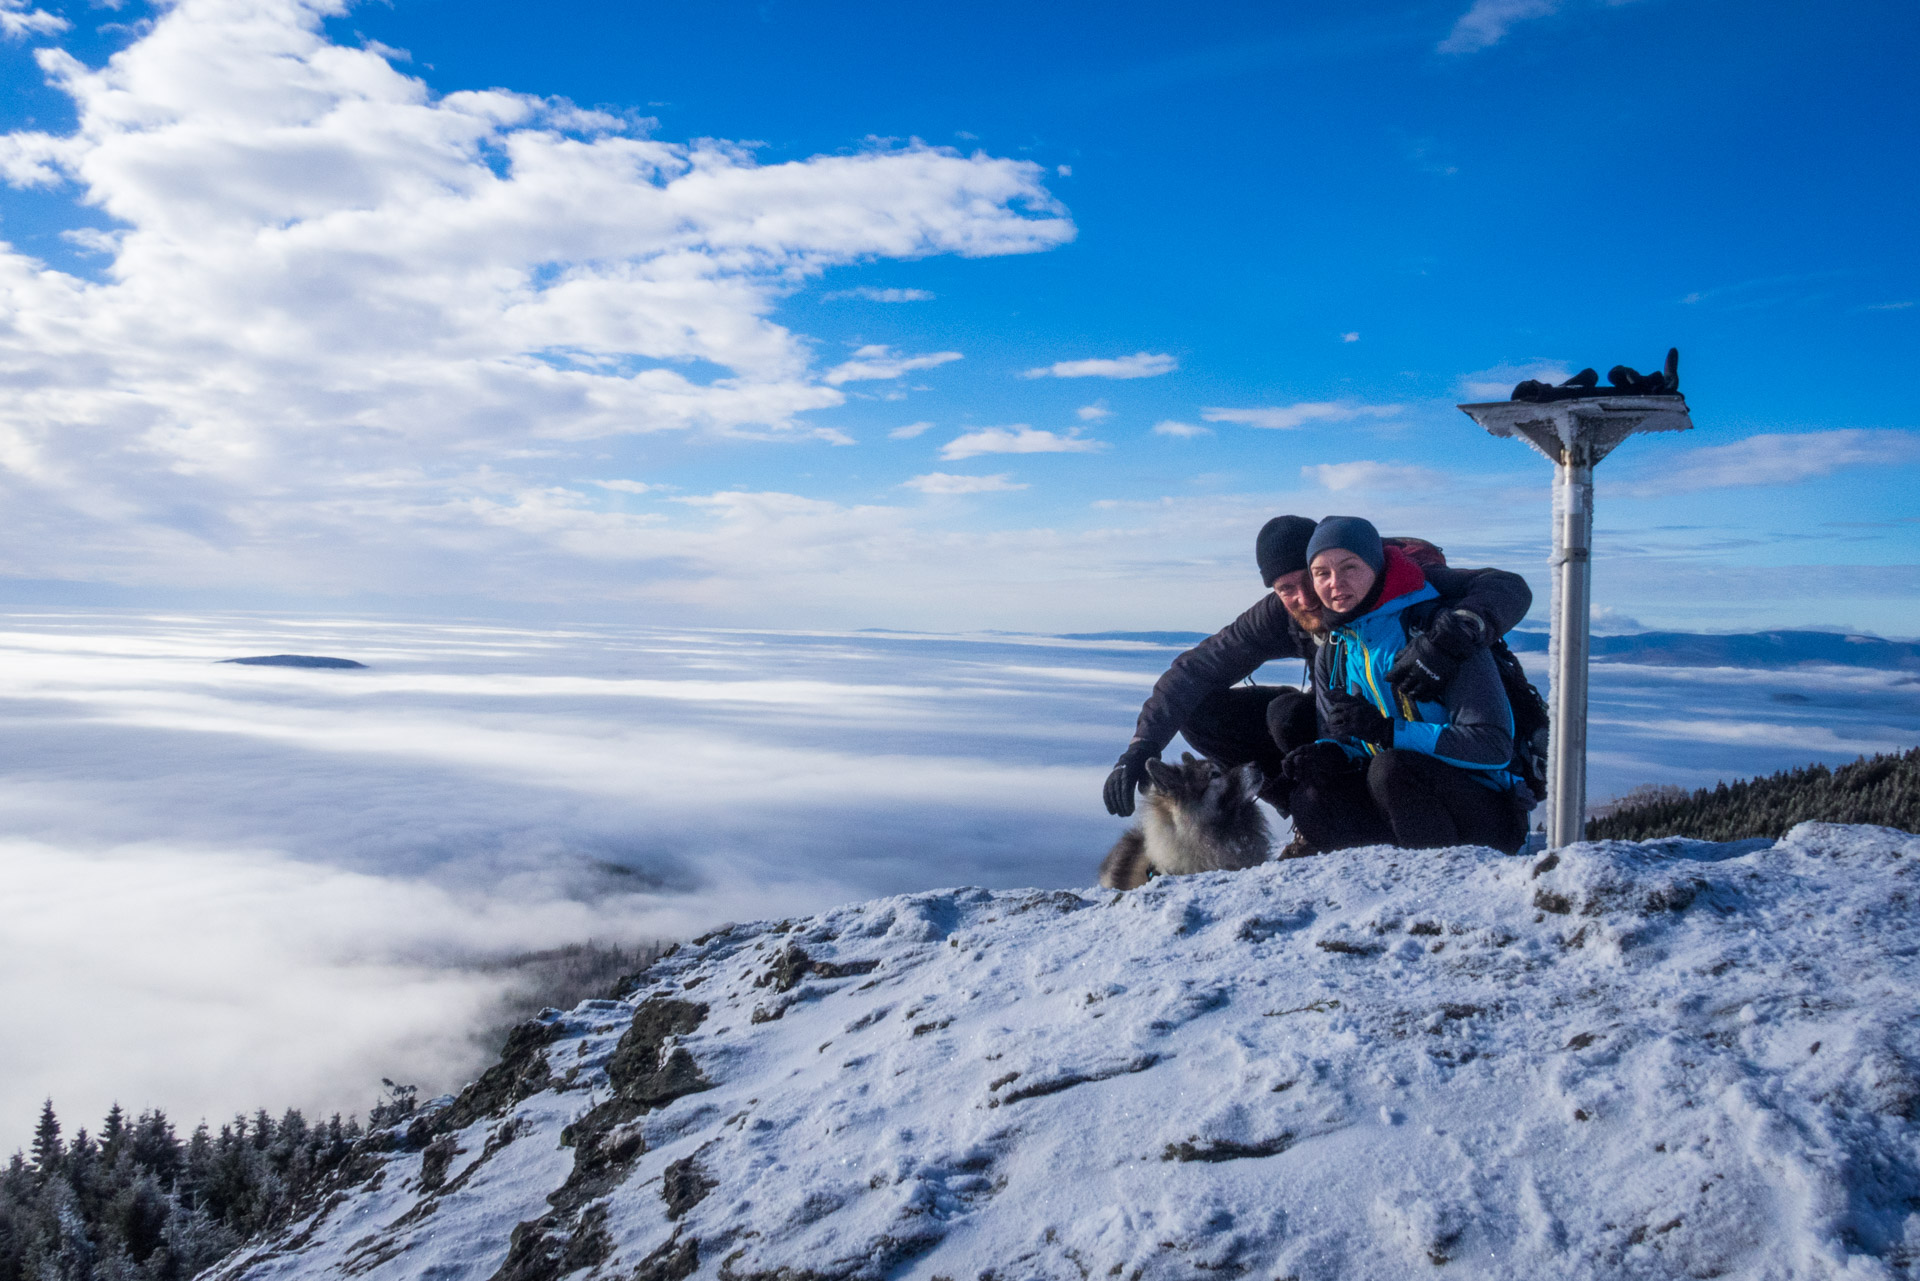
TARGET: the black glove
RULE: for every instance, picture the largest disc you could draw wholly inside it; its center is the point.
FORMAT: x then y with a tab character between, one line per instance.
1315	760
1350	716
1128	774
1432	657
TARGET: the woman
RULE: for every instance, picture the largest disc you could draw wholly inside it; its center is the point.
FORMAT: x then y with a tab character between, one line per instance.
1389	770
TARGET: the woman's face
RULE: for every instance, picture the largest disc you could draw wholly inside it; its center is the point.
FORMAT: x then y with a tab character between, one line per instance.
1341	579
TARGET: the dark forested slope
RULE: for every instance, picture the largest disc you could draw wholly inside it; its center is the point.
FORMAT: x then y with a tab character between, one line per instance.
1881	790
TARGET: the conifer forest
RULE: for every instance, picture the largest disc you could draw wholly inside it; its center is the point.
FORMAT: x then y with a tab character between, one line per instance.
137	1203
1882	790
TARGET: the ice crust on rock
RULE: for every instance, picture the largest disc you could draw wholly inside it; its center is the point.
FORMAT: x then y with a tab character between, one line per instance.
1655	1059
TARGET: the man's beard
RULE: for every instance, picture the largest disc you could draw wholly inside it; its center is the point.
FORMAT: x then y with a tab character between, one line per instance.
1309	620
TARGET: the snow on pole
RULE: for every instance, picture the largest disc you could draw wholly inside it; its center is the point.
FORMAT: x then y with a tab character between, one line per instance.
1575	425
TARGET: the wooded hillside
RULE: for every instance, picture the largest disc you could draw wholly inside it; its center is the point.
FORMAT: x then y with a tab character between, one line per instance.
1882	790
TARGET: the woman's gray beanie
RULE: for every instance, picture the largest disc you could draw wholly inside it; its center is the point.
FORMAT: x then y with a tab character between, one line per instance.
1353	534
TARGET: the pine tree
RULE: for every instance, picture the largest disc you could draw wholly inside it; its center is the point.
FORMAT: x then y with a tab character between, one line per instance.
47	1149
113	1135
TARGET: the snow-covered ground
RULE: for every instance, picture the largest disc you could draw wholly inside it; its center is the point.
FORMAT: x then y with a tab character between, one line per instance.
1624	1060
203	855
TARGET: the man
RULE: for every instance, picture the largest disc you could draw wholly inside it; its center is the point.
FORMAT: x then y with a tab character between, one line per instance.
1391	768
1200	697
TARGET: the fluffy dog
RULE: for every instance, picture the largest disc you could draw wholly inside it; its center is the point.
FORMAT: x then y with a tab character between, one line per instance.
1194	817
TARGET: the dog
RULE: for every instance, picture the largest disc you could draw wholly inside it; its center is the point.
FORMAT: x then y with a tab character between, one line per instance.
1194	817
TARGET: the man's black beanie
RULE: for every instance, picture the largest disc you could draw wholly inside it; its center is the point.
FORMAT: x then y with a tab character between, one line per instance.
1282	546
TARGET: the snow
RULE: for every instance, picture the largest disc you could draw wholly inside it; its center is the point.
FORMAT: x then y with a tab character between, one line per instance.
1655	1059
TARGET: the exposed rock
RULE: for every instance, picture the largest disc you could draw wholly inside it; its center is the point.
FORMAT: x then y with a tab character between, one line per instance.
685	1185
540	1253
676	1260
521	1073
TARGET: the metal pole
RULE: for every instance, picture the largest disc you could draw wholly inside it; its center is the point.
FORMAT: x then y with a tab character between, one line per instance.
1576	433
1572	611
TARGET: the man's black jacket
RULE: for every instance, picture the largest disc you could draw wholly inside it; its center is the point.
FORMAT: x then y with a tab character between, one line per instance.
1267	632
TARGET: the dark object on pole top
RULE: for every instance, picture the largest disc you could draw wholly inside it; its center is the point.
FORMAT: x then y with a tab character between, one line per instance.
1625	382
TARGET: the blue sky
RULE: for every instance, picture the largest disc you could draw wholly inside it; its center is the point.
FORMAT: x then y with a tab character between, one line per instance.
345	332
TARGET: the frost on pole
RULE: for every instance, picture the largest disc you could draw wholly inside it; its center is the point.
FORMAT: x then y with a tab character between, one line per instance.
1576	424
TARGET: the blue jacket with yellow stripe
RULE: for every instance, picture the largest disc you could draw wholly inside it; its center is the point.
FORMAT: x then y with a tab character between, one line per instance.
1471	727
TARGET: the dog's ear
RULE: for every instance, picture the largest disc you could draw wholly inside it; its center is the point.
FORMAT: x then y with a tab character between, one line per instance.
1162	775
1186	758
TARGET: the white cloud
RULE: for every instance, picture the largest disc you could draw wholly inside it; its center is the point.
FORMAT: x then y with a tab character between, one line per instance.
1488	21
908	432
17	21
627	486
92	240
1289	417
1350	336
1890	306
1093	413
1018	439
322	272
1366	474
32	159
876	362
1777	459
1498	382
939	482
1065	171
1169	427
1139	365
871	294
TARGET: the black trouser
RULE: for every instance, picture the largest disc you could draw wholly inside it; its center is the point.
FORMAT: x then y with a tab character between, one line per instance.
1257	723
1407	799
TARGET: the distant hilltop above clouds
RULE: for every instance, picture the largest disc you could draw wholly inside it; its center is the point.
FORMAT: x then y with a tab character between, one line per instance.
1658	1059
294	660
1750	649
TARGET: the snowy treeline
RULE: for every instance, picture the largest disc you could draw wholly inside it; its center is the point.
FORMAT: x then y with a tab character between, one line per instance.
136	1203
1883	790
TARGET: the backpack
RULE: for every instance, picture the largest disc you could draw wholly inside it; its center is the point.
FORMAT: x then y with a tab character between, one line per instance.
1530	720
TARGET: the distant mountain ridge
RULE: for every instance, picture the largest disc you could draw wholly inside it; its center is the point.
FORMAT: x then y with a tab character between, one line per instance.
1749	649
1669	649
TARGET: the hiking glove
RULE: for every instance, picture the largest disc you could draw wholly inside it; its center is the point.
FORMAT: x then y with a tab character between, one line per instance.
1314	761
1350	716
1432	657
1127	775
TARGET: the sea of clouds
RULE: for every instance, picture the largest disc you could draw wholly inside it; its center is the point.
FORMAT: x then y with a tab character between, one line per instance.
233	886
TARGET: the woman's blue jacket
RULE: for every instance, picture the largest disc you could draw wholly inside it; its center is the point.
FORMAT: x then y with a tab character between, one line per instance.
1470	727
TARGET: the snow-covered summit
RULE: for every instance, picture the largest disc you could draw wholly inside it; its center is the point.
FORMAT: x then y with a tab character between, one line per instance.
1623	1060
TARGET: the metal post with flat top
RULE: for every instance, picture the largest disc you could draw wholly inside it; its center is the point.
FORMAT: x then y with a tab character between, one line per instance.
1575	433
